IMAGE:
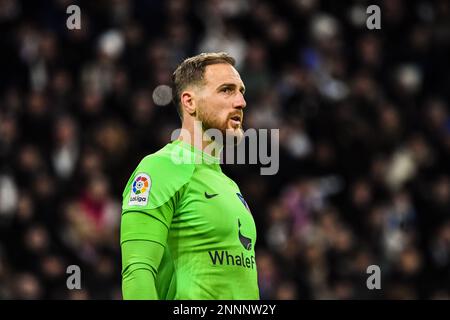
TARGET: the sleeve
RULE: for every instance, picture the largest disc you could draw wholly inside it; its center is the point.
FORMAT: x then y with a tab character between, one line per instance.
149	202
143	238
141	255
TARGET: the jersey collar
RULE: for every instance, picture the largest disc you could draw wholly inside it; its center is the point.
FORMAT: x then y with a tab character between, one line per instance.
200	156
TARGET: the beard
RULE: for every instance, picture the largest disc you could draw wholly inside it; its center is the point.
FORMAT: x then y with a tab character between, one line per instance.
211	123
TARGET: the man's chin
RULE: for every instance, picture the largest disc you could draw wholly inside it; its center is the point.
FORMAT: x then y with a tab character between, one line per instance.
234	136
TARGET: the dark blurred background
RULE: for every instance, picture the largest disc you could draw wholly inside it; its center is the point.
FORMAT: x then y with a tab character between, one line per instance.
364	138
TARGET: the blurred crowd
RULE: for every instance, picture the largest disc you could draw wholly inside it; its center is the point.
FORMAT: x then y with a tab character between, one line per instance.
364	125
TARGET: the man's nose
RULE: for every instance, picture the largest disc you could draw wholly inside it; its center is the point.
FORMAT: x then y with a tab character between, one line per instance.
240	102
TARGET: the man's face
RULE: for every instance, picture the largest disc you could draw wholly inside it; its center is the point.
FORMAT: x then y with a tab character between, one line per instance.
221	103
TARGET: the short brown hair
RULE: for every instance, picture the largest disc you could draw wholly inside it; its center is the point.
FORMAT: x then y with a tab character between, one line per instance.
192	71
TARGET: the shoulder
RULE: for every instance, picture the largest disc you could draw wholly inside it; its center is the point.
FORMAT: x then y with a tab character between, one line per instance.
167	163
157	178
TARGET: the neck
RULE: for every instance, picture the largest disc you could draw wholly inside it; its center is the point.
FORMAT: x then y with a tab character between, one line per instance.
193	134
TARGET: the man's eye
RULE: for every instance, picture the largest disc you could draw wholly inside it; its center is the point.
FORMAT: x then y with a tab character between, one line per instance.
226	90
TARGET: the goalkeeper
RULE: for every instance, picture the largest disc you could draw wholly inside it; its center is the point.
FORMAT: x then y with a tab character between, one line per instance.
186	230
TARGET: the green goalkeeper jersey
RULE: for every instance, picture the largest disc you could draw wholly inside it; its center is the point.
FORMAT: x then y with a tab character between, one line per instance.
186	230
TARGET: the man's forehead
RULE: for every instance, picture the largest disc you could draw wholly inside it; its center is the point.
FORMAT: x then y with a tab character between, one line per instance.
222	73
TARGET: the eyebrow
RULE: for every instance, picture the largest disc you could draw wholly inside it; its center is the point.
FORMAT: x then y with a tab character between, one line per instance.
231	85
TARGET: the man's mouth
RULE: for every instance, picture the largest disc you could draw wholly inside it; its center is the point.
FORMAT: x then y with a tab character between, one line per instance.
236	120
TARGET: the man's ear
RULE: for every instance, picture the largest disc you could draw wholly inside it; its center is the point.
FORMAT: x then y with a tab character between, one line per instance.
188	101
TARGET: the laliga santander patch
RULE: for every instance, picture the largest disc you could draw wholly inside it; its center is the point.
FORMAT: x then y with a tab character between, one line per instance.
140	189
